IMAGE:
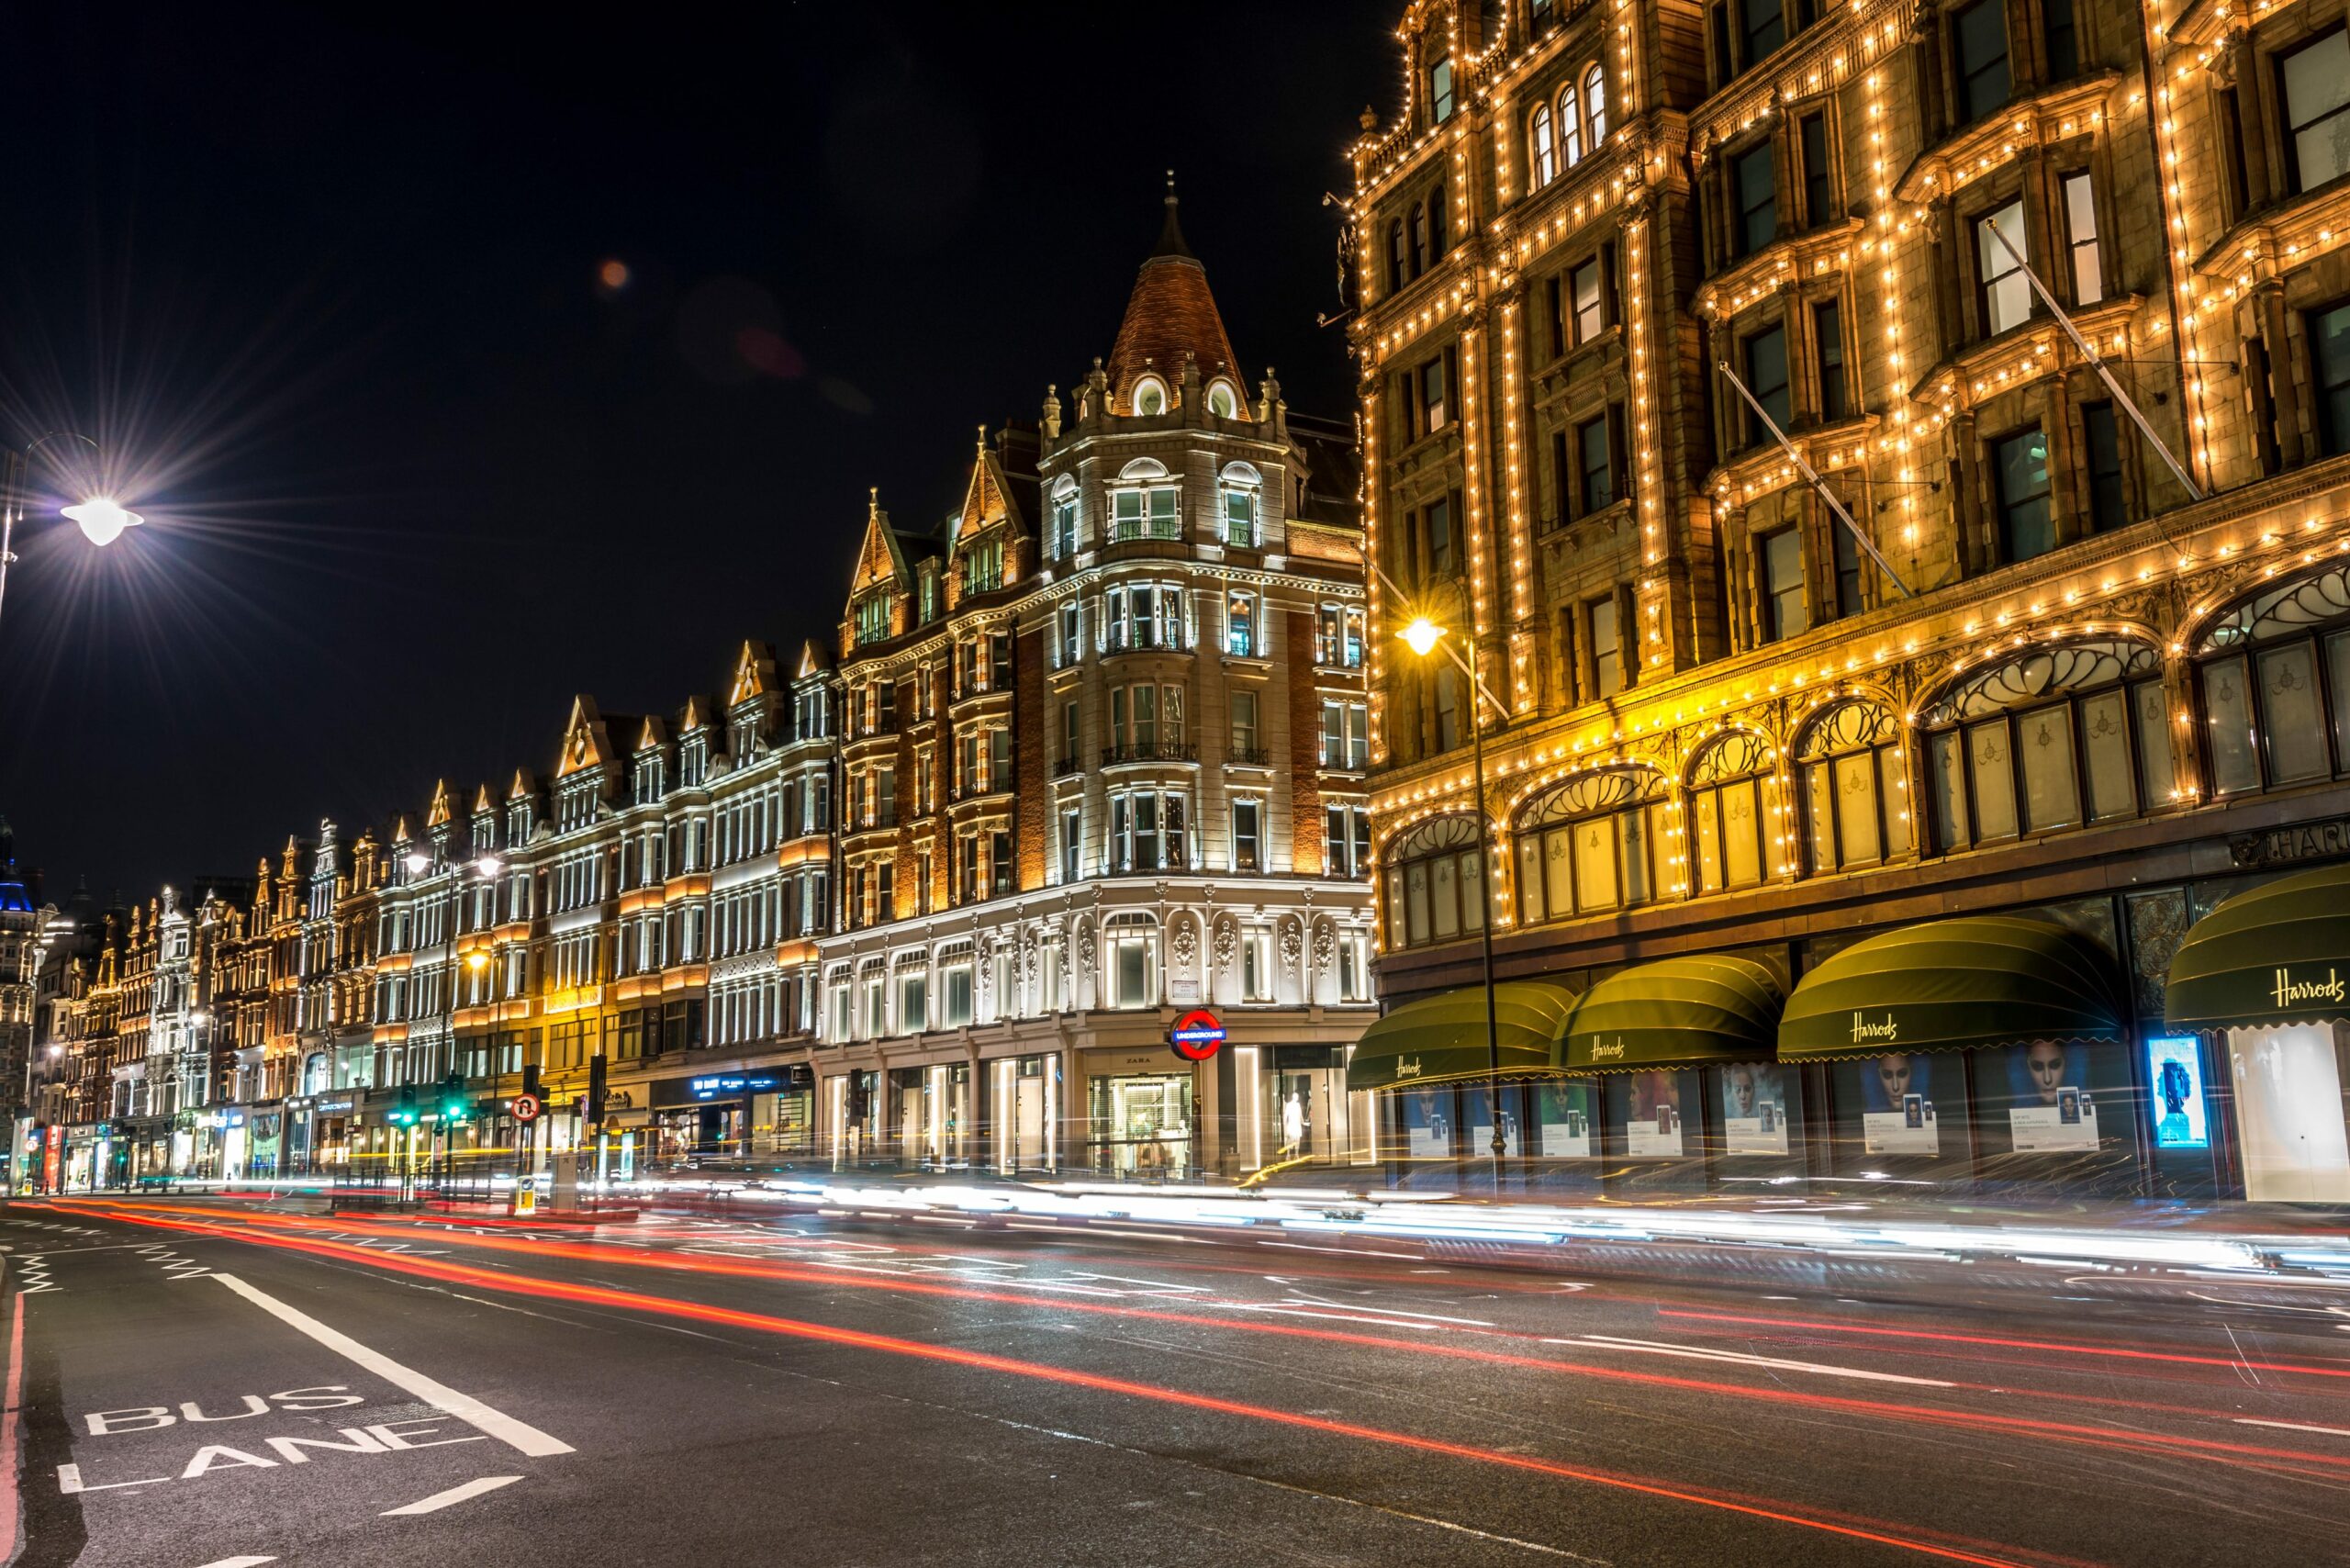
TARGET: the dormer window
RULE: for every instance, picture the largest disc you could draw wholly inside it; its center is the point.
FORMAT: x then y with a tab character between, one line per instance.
1243	488
1223	402
1150	396
983	566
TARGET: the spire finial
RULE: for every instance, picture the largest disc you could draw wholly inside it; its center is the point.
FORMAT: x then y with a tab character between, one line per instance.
1170	237
873	502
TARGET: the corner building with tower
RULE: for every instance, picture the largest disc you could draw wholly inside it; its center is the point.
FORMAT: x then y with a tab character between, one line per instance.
1102	763
1890	460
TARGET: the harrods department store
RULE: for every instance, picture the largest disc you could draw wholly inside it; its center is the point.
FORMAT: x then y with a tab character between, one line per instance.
1759	386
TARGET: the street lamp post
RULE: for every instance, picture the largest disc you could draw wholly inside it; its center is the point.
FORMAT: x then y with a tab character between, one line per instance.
101	518
1422	637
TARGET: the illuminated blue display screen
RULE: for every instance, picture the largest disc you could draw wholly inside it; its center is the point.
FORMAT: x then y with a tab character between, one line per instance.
2175	1072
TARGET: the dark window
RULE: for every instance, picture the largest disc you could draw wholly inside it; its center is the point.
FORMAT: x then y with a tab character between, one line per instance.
1436	224
1419	241
1597	476
1606	654
1765	28
2063	39
1827	343
1753	190
1980	33
1439	516
1558	317
2314	81
1779	558
1819	191
1766	377
1432	394
2330	354
2109	505
1561	473
2020	473
1721	43
1848	571
1590	318
1398	259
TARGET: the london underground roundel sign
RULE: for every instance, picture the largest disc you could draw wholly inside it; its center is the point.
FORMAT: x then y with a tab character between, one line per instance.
526	1108
1197	1035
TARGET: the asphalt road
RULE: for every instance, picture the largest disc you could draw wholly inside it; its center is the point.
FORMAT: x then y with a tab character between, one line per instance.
211	1385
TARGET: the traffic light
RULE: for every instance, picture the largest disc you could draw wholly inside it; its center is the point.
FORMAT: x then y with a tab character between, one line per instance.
596	1089
531	1081
404	1113
454	1105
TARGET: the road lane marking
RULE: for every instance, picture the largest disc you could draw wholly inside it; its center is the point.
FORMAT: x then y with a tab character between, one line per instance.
517	1435
241	1563
2294	1427
1691	1352
455	1494
16	1388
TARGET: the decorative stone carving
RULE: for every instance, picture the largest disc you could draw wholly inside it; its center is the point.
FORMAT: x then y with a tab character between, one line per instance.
2158	923
1326	948
1292	946
1085	948
1227	942
1183	946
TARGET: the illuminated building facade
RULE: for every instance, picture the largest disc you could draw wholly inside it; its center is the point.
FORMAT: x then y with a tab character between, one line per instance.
1101	762
2010	652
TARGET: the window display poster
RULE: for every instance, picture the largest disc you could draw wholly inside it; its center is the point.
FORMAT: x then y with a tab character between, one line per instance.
1476	1111
2050	1111
1754	1109
2174	1067
1653	1127
1562	1120
1897	1115
1427	1123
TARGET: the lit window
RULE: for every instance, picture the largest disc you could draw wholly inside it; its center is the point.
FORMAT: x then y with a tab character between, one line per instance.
1545	147
2315	82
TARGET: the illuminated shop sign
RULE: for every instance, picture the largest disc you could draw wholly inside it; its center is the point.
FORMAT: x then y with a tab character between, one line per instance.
731	1083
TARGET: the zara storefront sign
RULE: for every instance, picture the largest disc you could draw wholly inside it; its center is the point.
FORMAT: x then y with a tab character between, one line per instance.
730	1083
1197	1035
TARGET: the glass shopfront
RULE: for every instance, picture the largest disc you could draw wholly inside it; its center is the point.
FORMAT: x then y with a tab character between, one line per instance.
1140	1118
1026	1126
1305	1112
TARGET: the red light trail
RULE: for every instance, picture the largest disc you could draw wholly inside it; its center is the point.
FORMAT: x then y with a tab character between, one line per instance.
1949	1548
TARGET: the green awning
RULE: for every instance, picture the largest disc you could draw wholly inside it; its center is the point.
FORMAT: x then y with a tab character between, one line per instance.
1953	985
1440	1040
2278	953
1676	1013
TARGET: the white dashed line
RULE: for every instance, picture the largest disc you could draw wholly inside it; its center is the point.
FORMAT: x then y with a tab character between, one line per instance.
440	1500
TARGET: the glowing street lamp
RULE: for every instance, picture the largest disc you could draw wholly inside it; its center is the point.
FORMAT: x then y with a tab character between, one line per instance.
1422	637
102	519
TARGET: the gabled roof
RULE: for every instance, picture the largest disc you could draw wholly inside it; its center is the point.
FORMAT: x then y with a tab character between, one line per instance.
1003	487
654	735
584	741
881	559
1170	315
696	715
482	803
814	659
522	787
437	814
753	673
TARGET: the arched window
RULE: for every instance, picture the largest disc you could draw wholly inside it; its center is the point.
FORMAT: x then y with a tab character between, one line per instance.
1735	839
1589	846
1399	260
1222	401
1145	503
1544	144
1130	960
1595	104
954	966
1419	240
1150	395
1571	127
1436	883
1856	803
1064	536
2052	739
1243	488
1436	224
2273	677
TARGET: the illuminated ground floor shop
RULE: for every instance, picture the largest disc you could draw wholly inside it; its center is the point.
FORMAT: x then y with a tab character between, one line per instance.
2189	1041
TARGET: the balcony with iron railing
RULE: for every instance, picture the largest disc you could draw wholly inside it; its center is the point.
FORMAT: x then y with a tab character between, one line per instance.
1149	751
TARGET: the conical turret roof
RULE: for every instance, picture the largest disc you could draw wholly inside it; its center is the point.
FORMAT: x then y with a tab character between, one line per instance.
1170	313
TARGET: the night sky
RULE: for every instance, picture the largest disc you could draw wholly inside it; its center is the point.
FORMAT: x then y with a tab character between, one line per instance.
333	295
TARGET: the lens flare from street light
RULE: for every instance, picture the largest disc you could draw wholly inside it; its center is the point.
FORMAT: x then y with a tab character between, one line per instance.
418	862
489	866
1421	635
477	960
102	519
